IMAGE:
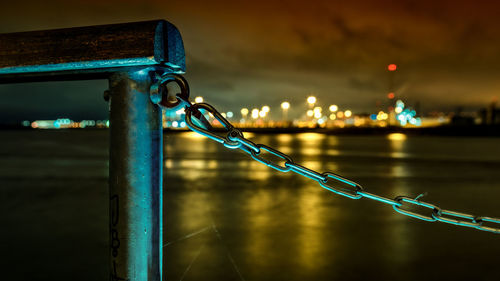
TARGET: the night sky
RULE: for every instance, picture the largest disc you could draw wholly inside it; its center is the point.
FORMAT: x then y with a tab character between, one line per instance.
251	53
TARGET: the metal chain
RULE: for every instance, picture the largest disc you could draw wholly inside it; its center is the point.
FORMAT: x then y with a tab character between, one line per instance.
233	138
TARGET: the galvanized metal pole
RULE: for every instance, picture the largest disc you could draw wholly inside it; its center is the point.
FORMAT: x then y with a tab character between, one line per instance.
135	179
124	54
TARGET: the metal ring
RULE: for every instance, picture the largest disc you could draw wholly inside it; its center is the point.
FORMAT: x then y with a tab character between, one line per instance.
159	93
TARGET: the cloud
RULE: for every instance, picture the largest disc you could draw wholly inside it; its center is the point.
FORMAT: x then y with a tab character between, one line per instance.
247	53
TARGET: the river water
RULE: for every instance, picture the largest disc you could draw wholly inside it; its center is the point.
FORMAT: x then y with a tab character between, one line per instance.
228	217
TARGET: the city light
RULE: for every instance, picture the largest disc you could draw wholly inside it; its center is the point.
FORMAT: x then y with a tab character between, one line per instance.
406	115
255	113
198	99
311	100
333	108
392	67
397	113
382	116
390	96
285	106
244	112
317	110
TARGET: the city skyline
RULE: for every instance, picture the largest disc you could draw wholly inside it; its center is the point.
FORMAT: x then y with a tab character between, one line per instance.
243	54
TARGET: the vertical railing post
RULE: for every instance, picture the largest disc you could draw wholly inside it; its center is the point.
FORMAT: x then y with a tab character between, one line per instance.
126	54
135	179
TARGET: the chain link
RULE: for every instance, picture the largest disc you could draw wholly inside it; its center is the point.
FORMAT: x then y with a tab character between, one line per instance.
233	138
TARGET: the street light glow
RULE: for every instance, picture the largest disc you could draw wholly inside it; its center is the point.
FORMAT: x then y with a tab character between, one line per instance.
255	113
198	99
265	108
311	100
333	108
285	105
347	113
244	111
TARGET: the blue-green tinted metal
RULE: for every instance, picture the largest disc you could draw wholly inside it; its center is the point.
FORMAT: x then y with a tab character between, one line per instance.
404	199
379	198
167	51
481	220
205	132
258	157
439	216
160	94
237	136
301	170
85	65
135	179
350	193
488	219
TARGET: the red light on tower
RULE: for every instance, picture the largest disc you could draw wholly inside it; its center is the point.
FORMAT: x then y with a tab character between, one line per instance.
390	96
392	67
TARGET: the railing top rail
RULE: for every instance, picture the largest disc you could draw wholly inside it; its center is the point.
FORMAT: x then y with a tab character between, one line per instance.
89	51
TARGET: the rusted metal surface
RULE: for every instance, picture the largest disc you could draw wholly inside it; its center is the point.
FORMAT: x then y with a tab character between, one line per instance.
89	52
128	55
135	179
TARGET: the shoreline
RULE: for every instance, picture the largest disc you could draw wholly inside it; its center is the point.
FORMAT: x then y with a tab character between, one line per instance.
445	130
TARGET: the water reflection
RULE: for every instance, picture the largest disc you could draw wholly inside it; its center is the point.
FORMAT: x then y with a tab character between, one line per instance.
259	223
399	169
311	241
282	226
397	142
272	225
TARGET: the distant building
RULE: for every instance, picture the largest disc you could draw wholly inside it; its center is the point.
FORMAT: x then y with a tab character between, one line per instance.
490	115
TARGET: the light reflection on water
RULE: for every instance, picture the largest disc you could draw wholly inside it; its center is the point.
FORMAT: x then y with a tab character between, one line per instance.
271	225
310	240
281	226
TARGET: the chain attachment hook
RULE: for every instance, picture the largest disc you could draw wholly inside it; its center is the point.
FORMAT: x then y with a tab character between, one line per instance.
228	128
159	94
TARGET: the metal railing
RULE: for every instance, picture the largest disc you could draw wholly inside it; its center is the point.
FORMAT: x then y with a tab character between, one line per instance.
130	56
